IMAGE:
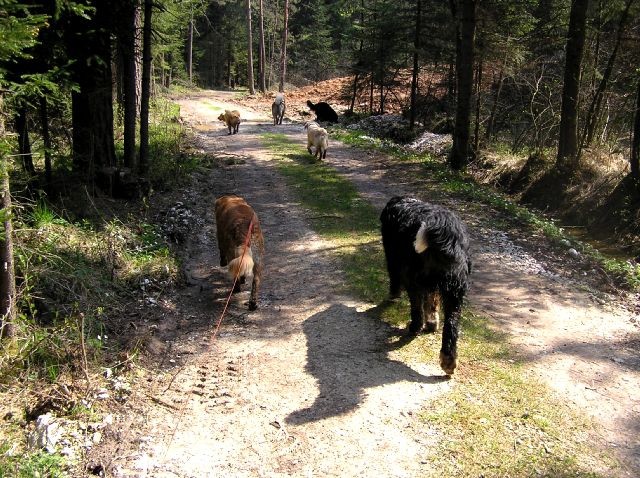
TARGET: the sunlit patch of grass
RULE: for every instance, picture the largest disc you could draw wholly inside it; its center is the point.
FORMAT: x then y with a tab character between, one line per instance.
30	465
168	163
500	421
337	208
215	108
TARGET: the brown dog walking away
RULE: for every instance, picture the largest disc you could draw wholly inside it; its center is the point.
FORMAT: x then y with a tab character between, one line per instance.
231	119
233	217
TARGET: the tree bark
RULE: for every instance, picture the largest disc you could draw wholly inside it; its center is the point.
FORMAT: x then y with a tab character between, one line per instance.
465	45
24	144
414	75
7	274
283	51
145	95
476	133
92	102
127	41
190	49
46	139
635	143
250	80
262	80
567	158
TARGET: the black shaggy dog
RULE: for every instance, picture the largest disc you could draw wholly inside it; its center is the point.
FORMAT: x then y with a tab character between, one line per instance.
427	252
323	111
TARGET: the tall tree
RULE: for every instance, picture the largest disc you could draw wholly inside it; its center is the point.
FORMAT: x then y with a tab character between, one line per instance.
127	45
7	273
146	86
190	47
250	81
568	135
464	11
593	114
283	51
262	80
24	143
414	73
88	41
635	144
17	34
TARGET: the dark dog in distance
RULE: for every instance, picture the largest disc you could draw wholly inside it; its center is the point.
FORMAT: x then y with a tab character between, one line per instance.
323	111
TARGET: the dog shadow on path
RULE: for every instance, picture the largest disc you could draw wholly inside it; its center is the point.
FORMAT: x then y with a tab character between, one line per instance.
347	354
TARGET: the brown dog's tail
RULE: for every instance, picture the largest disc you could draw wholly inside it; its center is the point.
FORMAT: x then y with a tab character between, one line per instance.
241	266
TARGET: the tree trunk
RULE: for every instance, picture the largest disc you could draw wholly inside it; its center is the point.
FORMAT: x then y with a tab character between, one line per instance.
596	103
24	144
476	133
190	49
262	80
568	135
283	51
250	81
146	87
635	143
465	43
414	75
92	102
7	274
127	41
494	107
46	139
137	53
371	88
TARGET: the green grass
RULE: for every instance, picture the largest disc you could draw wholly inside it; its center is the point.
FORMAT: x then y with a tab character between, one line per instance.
496	421
214	107
168	139
337	213
500	421
31	465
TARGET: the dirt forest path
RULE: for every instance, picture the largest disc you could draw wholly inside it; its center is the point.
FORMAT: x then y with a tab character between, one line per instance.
304	386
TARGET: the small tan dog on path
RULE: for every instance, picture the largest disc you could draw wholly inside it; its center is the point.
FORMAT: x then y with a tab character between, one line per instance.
231	119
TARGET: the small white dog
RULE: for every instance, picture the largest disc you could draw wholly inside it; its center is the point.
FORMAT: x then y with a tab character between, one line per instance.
318	138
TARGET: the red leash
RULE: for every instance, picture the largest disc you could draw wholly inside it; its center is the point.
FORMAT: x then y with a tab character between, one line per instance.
235	280
213	336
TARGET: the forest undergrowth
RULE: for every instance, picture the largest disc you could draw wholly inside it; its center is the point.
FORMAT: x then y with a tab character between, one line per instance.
88	268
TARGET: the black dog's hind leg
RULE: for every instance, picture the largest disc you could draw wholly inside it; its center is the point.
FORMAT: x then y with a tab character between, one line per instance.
452	305
393	268
416	297
431	306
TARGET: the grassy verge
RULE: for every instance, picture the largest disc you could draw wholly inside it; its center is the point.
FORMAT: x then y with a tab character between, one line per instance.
496	420
81	286
449	182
